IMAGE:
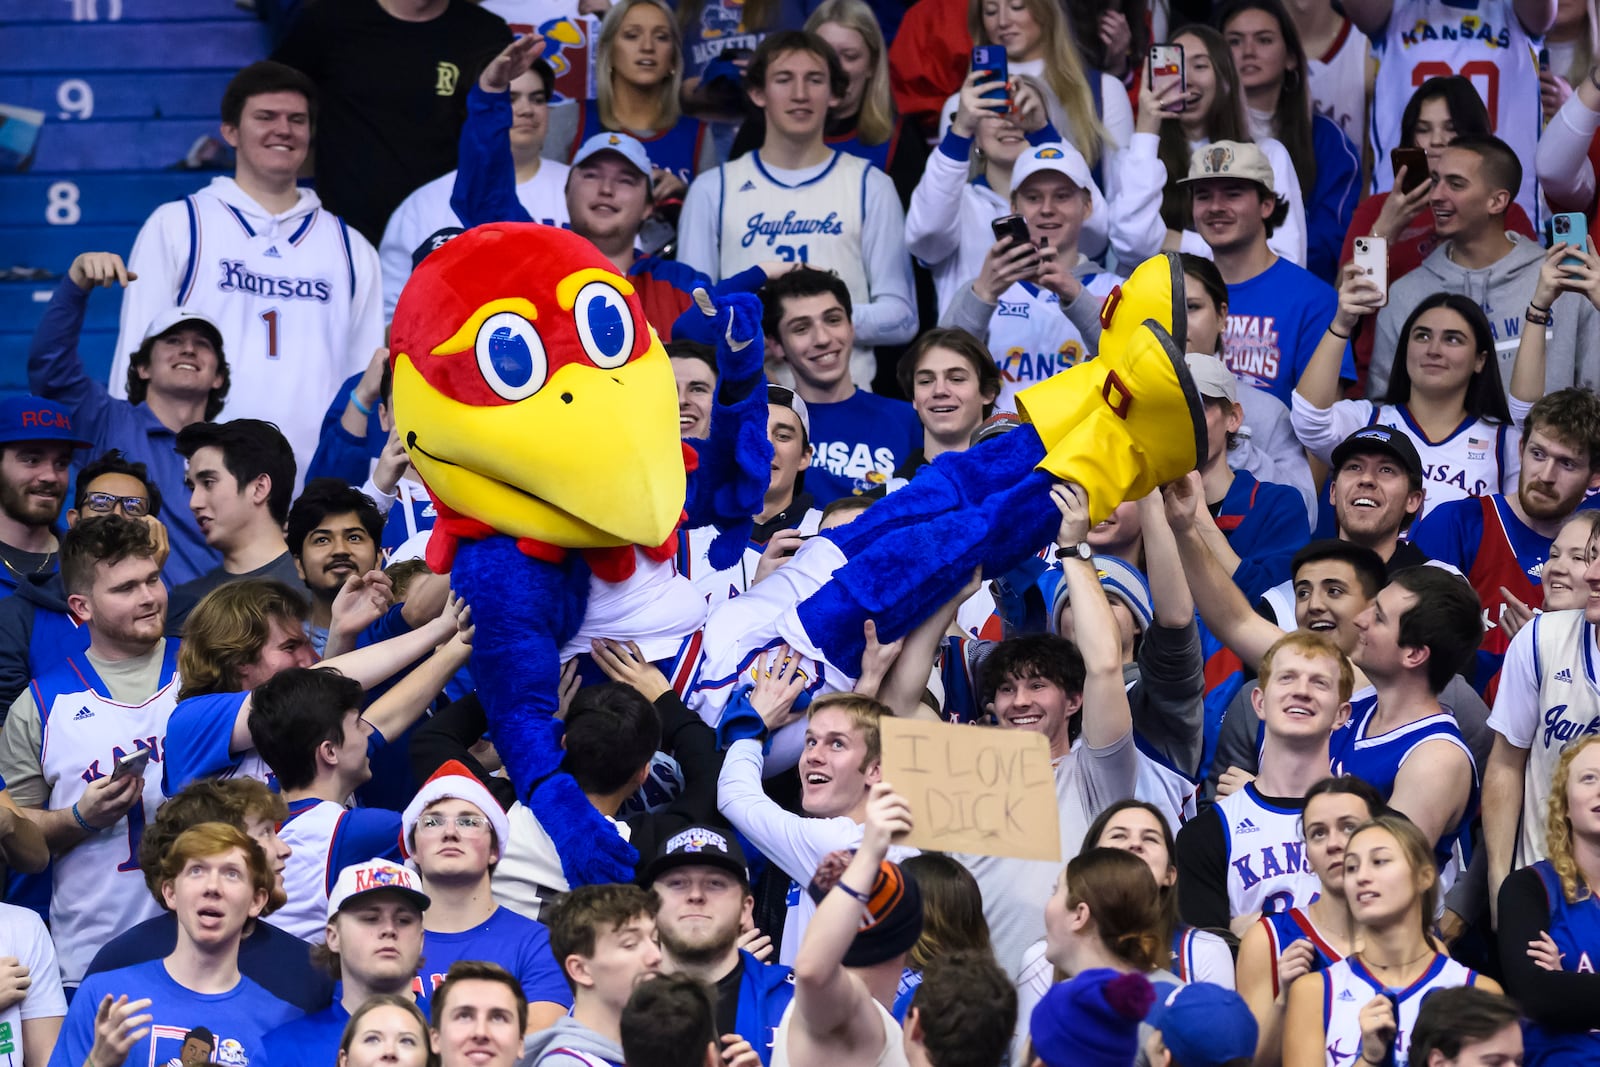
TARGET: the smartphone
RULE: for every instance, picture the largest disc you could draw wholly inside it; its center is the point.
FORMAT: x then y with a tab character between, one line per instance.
1570	228
1012	229
132	765
1166	68
1372	256
991	59
1544	61
1415	162
1394	1006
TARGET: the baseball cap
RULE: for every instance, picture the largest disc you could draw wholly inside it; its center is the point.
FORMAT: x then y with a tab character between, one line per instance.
1386	439
699	846
1062	158
172	318
995	425
1230	159
375	876
1205	1025
783	396
33	418
1119	579
1212	377
627	147
435	241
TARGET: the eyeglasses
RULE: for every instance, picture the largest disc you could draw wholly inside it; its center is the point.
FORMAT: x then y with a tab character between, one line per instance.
132	506
464	823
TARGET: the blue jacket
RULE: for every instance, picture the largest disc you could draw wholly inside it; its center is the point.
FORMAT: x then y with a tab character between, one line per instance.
36	632
56	372
340	454
1334	196
765	990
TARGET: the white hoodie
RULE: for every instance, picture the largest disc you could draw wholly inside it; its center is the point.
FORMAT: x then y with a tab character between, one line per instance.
297	296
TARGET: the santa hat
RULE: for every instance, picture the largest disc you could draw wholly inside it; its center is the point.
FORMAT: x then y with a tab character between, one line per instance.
453	781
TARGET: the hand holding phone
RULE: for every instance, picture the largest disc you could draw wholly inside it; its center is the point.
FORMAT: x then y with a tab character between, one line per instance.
1167	70
1372	258
1570	228
132	765
1011	229
991	60
1415	163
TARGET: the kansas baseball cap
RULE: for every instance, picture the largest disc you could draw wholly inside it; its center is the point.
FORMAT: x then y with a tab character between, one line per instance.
173	318
33	418
1230	159
1386	439
375	876
785	397
1061	158
627	147
1204	1025
1212	377
699	846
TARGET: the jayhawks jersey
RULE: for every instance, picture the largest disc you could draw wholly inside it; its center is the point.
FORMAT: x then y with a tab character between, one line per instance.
298	298
1350	986
675	149
1031	338
1338	80
1284	928
1485	540
1575	928
1267	866
1549	698
1377	759
1480	40
309	835
1477	459
98	890
413	513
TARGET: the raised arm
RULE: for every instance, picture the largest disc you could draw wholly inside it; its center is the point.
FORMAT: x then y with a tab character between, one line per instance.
394	712
1106	718
1359	298
1370	16
486	176
831	1004
1222	606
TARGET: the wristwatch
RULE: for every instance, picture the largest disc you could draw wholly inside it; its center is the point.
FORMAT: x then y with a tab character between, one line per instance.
1082	550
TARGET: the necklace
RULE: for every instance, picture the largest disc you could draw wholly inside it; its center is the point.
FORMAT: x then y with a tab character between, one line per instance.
48	556
1427	953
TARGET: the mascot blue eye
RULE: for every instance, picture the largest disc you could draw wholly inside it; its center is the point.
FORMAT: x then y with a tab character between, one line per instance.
605	324
510	356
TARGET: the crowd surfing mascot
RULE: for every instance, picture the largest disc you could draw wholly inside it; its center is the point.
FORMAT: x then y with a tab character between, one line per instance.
539	409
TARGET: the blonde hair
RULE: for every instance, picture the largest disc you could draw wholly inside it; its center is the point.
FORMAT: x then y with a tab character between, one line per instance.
1558	827
1063	72
1311	644
1419	857
667	107
864	713
875	121
228	629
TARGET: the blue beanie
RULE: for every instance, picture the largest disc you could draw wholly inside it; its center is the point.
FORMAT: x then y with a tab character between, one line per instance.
1092	1020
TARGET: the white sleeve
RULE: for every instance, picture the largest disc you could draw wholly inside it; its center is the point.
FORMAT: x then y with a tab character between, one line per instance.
1136	227
700	224
1288	240
890	315
160	253
1562	160
1511	477
1516	703
366	307
1213	960
933	221
400	239
1321	429
795	843
1117	117
29	941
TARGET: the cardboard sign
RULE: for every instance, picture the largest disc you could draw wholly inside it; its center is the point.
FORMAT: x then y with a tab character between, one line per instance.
976	789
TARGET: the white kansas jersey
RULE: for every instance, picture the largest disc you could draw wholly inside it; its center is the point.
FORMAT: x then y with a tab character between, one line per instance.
1267	866
1480	40
1030	338
1350	986
1338	80
297	296
717	586
98	890
309	835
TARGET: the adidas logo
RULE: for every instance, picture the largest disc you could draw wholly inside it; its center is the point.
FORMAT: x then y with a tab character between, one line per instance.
1564	674
83	713
272	253
748	186
1346	995
1246	827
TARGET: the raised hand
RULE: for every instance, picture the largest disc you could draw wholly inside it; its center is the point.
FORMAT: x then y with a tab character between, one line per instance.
102	269
514	60
621	661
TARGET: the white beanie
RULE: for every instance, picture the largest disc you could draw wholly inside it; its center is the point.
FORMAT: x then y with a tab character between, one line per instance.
452	781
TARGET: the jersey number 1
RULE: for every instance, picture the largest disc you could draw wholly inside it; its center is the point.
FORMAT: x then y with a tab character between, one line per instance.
271	319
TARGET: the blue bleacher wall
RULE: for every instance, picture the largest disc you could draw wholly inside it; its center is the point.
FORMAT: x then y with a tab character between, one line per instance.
126	88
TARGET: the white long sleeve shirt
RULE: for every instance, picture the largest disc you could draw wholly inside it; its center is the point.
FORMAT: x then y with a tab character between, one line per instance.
947	224
1562	161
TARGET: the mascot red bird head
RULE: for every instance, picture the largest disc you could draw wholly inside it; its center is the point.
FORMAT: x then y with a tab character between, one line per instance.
532	395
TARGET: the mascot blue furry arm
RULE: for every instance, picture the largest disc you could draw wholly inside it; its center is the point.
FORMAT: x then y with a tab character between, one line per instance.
541	413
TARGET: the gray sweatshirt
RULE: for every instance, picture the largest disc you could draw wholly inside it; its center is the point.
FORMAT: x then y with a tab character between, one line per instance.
569	1043
1503	291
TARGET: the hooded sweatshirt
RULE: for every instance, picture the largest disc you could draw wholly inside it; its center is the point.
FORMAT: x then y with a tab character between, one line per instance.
298	298
36	632
569	1043
1503	290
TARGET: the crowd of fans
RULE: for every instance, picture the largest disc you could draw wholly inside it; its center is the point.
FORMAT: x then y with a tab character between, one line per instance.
1323	714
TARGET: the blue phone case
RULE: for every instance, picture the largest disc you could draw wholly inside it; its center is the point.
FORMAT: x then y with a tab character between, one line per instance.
1576	234
991	58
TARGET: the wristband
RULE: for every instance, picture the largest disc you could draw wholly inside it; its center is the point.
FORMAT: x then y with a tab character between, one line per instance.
1336	333
1540	310
82	821
1537	317
862	897
356	400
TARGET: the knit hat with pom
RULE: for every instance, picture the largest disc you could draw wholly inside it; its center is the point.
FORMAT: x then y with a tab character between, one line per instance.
1092	1020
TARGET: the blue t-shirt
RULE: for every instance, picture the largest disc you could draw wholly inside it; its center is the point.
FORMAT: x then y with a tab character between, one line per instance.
1266	524
675	149
858	444
514	941
1274	323
276	960
199	734
239	1018
313	1039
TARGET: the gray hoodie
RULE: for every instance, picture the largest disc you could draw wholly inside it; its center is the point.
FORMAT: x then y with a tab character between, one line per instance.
569	1043
1503	291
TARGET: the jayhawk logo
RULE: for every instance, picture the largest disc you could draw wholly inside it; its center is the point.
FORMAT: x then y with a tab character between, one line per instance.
1047	153
697	839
